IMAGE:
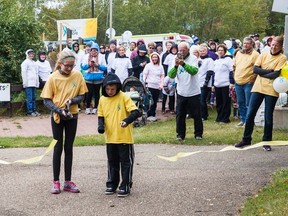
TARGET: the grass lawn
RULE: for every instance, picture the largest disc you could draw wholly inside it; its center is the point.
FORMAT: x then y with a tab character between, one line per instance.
271	200
160	132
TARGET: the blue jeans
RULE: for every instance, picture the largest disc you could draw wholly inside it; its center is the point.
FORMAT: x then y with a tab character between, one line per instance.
243	94
30	99
255	103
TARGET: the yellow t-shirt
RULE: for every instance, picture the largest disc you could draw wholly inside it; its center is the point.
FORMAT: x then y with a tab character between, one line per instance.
243	64
268	62
114	110
59	88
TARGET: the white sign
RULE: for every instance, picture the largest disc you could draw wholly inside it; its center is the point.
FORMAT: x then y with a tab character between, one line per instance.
5	92
113	32
280	6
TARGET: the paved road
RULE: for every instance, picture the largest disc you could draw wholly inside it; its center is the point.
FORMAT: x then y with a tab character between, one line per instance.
202	184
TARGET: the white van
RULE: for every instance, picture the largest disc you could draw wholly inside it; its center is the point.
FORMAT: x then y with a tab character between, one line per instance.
156	38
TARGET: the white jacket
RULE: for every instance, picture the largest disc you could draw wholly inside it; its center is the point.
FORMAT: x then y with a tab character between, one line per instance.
44	69
222	69
29	72
121	67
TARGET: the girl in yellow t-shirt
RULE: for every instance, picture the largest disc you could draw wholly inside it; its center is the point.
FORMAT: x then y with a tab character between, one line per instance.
63	91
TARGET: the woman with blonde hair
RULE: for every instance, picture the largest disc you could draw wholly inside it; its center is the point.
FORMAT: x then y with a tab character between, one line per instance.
63	91
122	65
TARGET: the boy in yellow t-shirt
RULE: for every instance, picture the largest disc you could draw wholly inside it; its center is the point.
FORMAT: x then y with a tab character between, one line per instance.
116	112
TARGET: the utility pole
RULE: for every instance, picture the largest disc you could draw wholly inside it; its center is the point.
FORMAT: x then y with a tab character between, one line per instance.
110	21
92	8
35	10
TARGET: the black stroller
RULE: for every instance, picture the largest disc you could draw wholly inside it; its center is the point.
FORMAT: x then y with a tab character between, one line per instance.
141	96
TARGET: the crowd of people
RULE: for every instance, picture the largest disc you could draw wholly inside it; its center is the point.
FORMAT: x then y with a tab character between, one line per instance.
233	74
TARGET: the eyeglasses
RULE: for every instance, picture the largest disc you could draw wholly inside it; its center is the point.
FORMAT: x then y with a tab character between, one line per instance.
76	46
69	66
151	47
101	47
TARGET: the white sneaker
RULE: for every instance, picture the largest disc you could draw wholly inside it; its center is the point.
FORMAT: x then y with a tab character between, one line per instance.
240	124
149	118
88	111
152	118
94	111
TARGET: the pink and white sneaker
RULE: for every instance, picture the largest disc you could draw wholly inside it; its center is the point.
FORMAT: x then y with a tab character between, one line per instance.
71	187
56	188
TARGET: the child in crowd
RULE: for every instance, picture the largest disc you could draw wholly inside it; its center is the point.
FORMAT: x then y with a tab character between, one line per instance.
232	93
116	112
133	94
63	91
168	90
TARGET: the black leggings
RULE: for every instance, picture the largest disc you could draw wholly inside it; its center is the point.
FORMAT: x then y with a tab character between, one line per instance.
93	90
171	102
155	95
69	127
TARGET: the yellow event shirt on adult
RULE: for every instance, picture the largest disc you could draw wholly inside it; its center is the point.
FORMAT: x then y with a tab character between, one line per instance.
268	62
114	110
59	88
244	63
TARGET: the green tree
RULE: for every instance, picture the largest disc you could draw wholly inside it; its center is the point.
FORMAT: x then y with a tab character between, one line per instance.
19	32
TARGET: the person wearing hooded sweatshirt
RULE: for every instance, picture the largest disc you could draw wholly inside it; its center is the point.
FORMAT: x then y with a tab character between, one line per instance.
30	78
139	61
94	71
135	51
122	65
153	76
44	68
75	47
116	112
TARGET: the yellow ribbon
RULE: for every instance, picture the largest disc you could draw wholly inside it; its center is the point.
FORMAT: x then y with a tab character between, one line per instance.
228	148
34	159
